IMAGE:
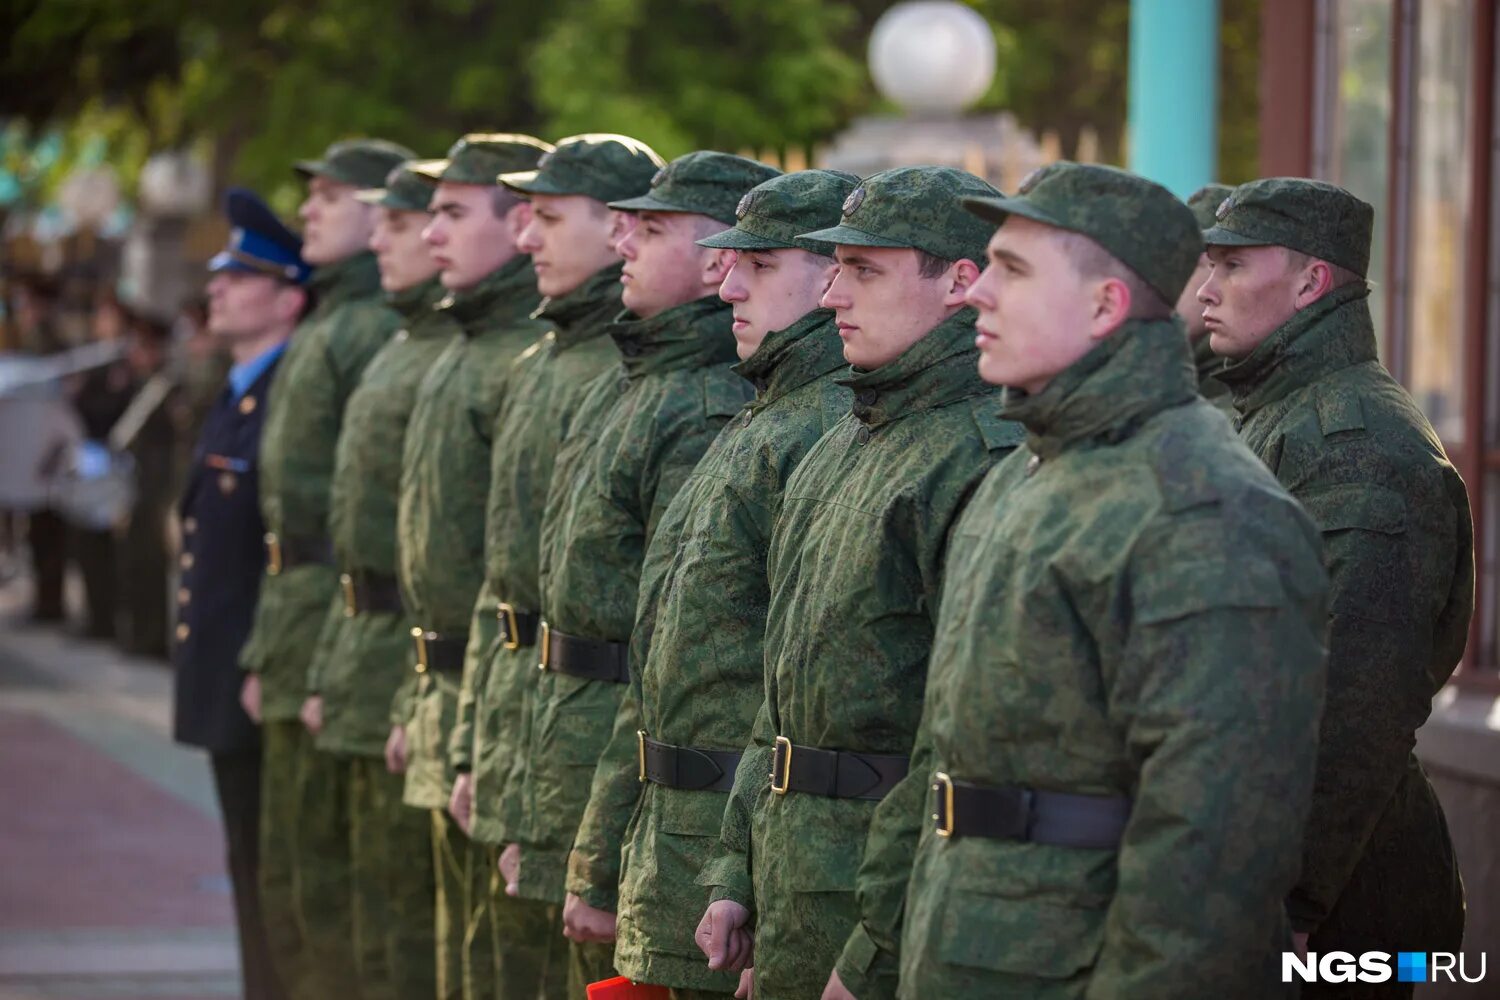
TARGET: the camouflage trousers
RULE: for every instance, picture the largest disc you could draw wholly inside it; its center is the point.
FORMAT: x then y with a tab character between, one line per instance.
589	962
281	747
390	846
531	954
322	878
798	939
478	942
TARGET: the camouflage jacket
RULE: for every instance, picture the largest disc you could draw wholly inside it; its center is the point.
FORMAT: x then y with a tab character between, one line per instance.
445	469
1349	443
322	366
1209	366
362	661
856	567
1133	609
546	387
637	435
705	592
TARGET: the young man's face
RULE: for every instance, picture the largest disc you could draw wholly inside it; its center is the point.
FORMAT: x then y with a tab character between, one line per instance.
1249	293
404	257
772	289
568	238
243	305
664	266
882	304
1188	306
1035	310
468	240
335	224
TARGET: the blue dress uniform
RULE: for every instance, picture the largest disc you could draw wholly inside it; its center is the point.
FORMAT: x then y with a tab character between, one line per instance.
222	558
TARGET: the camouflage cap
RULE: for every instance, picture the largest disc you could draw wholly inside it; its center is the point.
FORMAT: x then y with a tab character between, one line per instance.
1205	201
405	190
361	162
704	183
1142	224
1312	217
918	208
773	215
598	165
481	157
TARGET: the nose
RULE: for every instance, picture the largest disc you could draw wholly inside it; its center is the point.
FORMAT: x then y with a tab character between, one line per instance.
626	247
433	234
529	241
981	294
835	297
733	287
1208	292
305	210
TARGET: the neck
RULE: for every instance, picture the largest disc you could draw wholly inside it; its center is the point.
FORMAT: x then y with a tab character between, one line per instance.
249	348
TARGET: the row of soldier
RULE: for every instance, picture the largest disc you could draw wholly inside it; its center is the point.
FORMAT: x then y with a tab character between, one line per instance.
733	580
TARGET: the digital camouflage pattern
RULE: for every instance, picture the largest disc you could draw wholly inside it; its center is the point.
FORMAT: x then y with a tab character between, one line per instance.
404	190
1133	609
703	183
704	594
598	165
774	213
1311	217
361	162
363	660
855	568
1205	203
1350	444
481	157
444	483
636	437
319	372
919	208
1208	366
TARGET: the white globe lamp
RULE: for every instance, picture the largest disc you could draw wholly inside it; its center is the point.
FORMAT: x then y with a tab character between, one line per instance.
932	57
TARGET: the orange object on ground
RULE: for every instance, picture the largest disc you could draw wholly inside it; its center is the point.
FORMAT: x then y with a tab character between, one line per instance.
621	988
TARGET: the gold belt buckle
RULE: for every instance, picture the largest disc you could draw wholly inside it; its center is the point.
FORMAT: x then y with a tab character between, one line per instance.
273	554
942	784
782	743
507	614
420	637
351	607
640	750
544	645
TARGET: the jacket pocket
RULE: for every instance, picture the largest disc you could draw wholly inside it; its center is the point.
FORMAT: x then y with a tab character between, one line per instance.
1036	937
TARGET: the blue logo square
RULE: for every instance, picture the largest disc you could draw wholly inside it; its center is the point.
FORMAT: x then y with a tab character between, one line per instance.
1411	967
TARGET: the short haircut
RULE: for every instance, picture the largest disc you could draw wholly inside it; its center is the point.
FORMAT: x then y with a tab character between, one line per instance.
1296	260
1093	262
930	265
705	226
502	200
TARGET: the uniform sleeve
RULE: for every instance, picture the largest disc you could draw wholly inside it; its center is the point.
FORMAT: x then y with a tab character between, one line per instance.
728	870
594	864
327	639
353	347
1216	690
476	672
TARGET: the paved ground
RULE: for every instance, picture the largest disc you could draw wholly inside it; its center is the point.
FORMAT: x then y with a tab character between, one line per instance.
112	878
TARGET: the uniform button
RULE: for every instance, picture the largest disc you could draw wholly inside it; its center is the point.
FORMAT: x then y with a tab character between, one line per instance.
247	405
186	561
190	525
863	435
624	383
183	631
184	595
867	396
1032	464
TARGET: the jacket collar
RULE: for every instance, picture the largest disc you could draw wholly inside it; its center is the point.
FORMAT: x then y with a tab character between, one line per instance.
789	359
691	335
581	313
502	297
355	277
941	368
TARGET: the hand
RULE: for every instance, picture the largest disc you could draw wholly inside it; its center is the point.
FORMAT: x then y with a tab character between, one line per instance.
510	868
835	989
250	697
1299	941
395	750
582	922
311	713
723	937
461	802
746	989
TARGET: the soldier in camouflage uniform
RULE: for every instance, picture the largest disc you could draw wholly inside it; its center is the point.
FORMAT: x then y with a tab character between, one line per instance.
636	436
1204	202
855	563
369	841
1121	714
1286	303
659	787
440	516
311	945
573	256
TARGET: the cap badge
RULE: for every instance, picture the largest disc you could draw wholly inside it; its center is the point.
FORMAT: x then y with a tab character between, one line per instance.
658	177
1030	181
1223	209
546	158
742	207
856	198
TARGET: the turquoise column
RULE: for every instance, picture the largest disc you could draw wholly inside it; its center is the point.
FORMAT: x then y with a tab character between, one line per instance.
1174	92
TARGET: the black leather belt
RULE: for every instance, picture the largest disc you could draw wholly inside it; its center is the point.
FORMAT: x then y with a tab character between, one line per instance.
840	774
289	553
367	593
693	769
591	659
443	652
1061	819
517	628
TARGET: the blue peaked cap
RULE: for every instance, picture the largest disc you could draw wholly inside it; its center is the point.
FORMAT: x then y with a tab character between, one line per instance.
258	241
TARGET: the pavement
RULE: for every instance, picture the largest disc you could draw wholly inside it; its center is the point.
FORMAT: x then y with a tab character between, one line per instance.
112	874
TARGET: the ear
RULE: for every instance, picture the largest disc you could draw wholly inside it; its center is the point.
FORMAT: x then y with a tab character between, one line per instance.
716	264
1112	303
518	218
289	302
1313	283
961	277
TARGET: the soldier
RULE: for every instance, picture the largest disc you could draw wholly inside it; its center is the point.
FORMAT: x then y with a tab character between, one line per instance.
573	257
632	443
1286	304
307	914
1204	202
700	680
440	518
256	296
368	839
855	564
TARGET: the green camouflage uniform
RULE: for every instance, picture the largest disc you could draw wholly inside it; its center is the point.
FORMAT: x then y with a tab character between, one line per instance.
444	483
704	594
1133	611
1378	869
1205	202
322	365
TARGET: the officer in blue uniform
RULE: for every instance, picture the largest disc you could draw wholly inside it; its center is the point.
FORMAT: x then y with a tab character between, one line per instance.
256	296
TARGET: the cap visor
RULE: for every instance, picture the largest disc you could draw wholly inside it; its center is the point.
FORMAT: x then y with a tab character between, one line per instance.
307	168
432	169
225	261
649	203
371	196
738	239
1221	237
997	210
848	236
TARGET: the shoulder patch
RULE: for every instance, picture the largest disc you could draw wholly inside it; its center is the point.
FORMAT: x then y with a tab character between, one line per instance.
997	433
1339	412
